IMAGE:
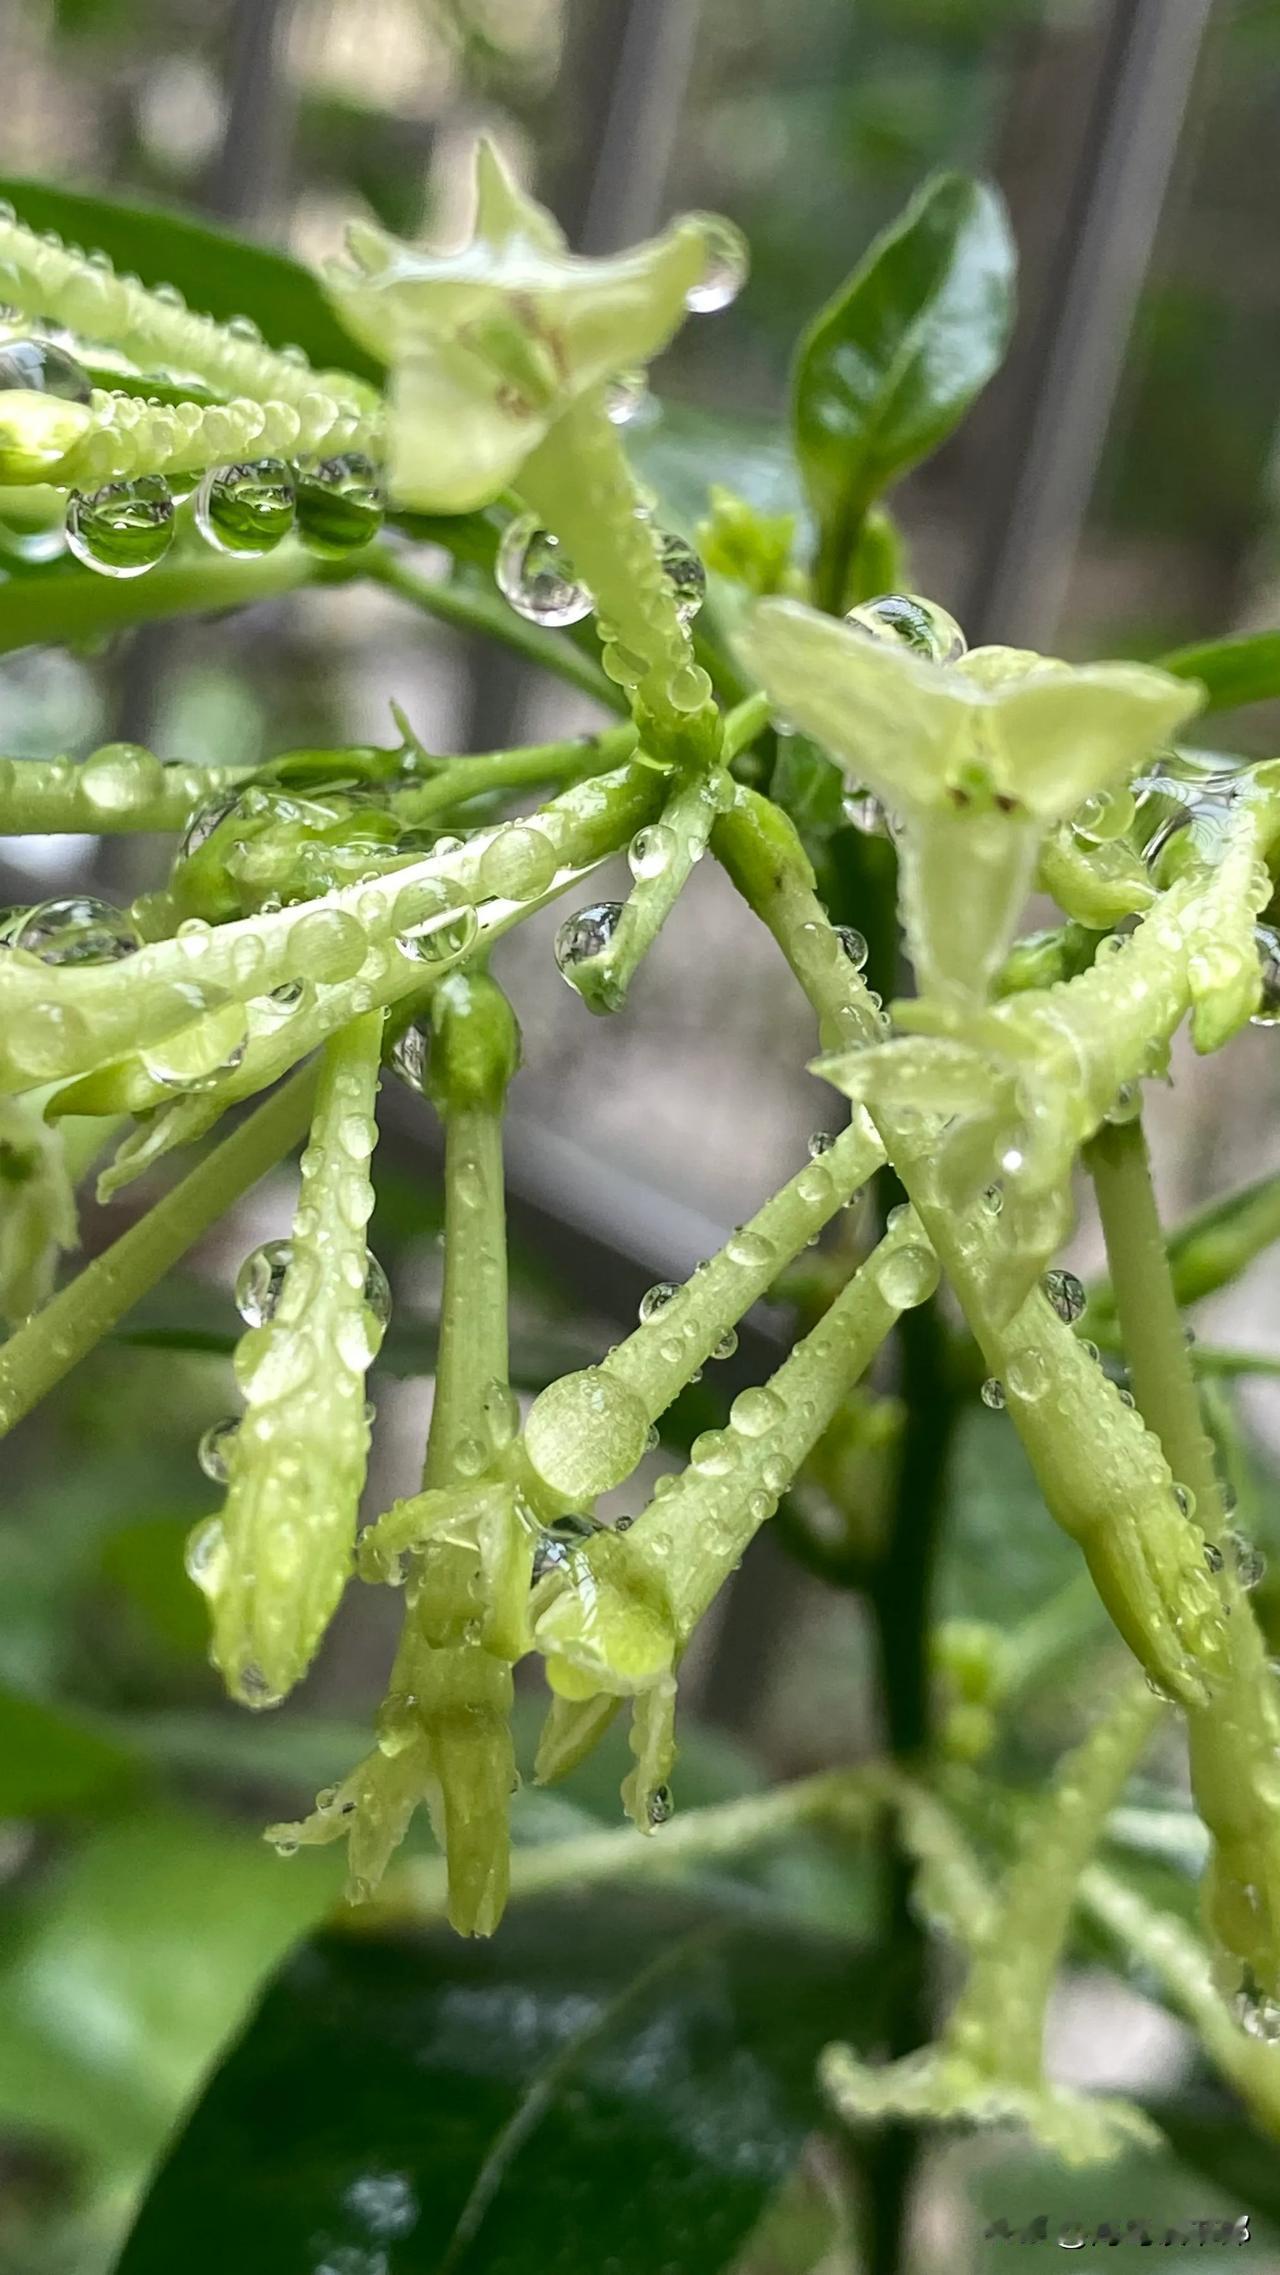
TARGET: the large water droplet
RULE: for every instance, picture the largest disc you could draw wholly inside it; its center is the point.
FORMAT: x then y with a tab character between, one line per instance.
534	575
120	776
684	573
912	622
756	1411
853	944
123	529
77	930
651	850
204	821
377	1290
518	863
260	1279
247	508
586	934
1065	1293
993	1393
656	1299
340	504
205	1555
908	1275
585	1433
725	265
196	1055
214	1451
40	368
661	1806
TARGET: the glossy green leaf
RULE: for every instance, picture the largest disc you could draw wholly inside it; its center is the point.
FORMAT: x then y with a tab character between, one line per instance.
219	274
618	2082
809	787
1233	672
891	364
137	1958
52	1761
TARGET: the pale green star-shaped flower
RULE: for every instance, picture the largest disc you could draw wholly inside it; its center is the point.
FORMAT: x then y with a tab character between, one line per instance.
488	346
975	760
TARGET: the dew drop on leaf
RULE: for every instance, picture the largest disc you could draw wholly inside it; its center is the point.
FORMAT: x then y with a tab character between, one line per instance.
214	1456
340	504
911	622
724	269
38	367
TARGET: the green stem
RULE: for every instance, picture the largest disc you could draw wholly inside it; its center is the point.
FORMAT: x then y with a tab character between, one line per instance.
51	796
462	779
71	604
471	609
48	1346
1160	1371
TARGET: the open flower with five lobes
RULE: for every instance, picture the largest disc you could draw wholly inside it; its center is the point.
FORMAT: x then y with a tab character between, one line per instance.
976	760
489	345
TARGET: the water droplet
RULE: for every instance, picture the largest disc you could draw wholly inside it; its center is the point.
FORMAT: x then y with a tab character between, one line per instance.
214	1453
40	368
1248	1560
657	1298
123	529
1185	1500
750	1249
1257	2014
204	821
586	934
501	1415
1213	1556
689	687
820	1142
908	1275
914	623
1126	1105
557	1541
684	573
410	1052
626	396
340	504
755	1412
727	1344
205	1554
438	935
194	1056
724	269
534	575
377	1290
120	776
1268	1011
661	1806
1065	1293
77	930
864	812
518	863
247	508
585	1433
260	1280
285	1847
993	1393
1104	815
651	850
853	944
1027	1375
993	1200
714	1453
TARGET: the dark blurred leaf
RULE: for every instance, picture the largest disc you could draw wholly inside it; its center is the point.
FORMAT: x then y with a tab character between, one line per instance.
687	452
61	601
1209	2134
612	2083
891	364
143	1561
51	1761
810	788
1234	672
219	274
136	1961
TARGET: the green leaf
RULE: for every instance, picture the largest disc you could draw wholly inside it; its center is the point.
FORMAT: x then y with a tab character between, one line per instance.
219	274
617	2082
1233	672
809	787
135	1964
893	361
52	1762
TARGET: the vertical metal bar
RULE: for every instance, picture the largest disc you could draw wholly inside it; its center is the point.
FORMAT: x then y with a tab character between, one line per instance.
1053	441
259	127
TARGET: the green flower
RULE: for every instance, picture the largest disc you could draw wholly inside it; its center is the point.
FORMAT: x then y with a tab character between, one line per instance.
975	760
489	345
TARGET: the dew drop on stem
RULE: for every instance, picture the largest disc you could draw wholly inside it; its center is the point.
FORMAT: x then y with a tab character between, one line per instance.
123	529
38	367
246	509
341	504
534	575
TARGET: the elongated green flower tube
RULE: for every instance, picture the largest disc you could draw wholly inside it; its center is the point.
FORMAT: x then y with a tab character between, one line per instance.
121	786
978	758
127	436
444	1733
617	1614
988	2066
275	1563
1103	1475
154	330
587	1431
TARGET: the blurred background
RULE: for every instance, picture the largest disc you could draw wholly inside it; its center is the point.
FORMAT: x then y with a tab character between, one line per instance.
1115	493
